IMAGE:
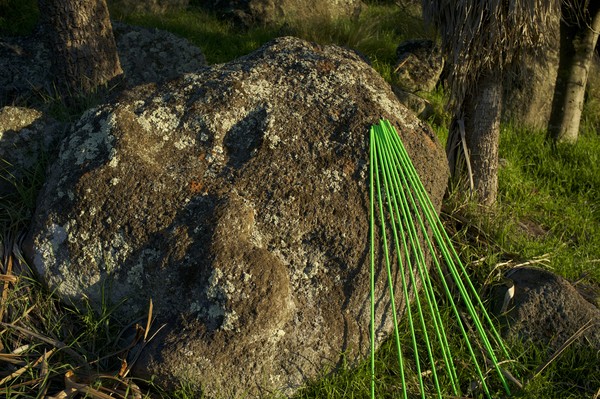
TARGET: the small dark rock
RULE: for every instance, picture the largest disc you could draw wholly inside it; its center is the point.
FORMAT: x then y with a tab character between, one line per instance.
547	310
420	64
418	104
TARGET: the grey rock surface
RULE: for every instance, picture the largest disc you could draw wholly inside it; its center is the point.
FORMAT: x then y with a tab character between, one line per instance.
237	199
26	137
264	12
420	65
154	55
419	105
146	55
24	69
548	310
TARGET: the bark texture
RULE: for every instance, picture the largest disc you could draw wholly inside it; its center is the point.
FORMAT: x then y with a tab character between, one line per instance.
84	54
529	82
480	113
479	39
482	128
577	44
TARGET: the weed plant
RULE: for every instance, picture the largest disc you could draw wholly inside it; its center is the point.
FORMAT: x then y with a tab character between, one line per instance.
548	212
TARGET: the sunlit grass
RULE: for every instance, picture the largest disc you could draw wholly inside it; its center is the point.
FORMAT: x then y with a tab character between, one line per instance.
376	33
553	191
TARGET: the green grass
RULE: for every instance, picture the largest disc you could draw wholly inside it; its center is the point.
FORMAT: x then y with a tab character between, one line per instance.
377	33
17	17
220	41
556	192
548	204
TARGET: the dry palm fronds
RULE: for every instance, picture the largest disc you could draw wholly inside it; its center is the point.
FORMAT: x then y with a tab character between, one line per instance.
26	367
481	36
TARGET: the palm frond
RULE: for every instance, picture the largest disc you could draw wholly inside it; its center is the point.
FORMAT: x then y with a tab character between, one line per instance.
483	36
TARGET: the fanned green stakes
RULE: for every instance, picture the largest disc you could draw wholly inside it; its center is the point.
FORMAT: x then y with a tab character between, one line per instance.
407	217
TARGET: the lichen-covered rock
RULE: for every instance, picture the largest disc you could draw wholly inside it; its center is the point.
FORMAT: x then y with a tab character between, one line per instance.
547	310
265	12
146	55
420	64
237	199
26	136
417	104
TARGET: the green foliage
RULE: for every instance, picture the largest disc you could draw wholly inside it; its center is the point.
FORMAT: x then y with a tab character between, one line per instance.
220	41
440	120
550	197
376	34
18	17
16	208
572	376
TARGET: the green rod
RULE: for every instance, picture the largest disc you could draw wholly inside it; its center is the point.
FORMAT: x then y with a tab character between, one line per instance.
442	239
391	203
398	194
372	274
389	272
423	270
445	242
428	204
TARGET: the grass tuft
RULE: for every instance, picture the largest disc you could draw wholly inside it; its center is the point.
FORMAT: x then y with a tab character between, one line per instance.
18	17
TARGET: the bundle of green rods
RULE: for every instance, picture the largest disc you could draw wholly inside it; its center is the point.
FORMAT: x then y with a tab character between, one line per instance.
405	210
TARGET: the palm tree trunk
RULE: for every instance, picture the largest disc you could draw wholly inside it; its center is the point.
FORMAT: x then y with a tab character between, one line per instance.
481	112
84	54
576	52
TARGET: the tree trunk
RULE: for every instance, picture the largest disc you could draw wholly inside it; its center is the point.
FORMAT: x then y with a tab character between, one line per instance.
577	44
530	80
84	54
481	116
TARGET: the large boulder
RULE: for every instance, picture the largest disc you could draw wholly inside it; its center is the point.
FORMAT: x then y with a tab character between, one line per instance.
237	199
268	12
147	55
154	55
